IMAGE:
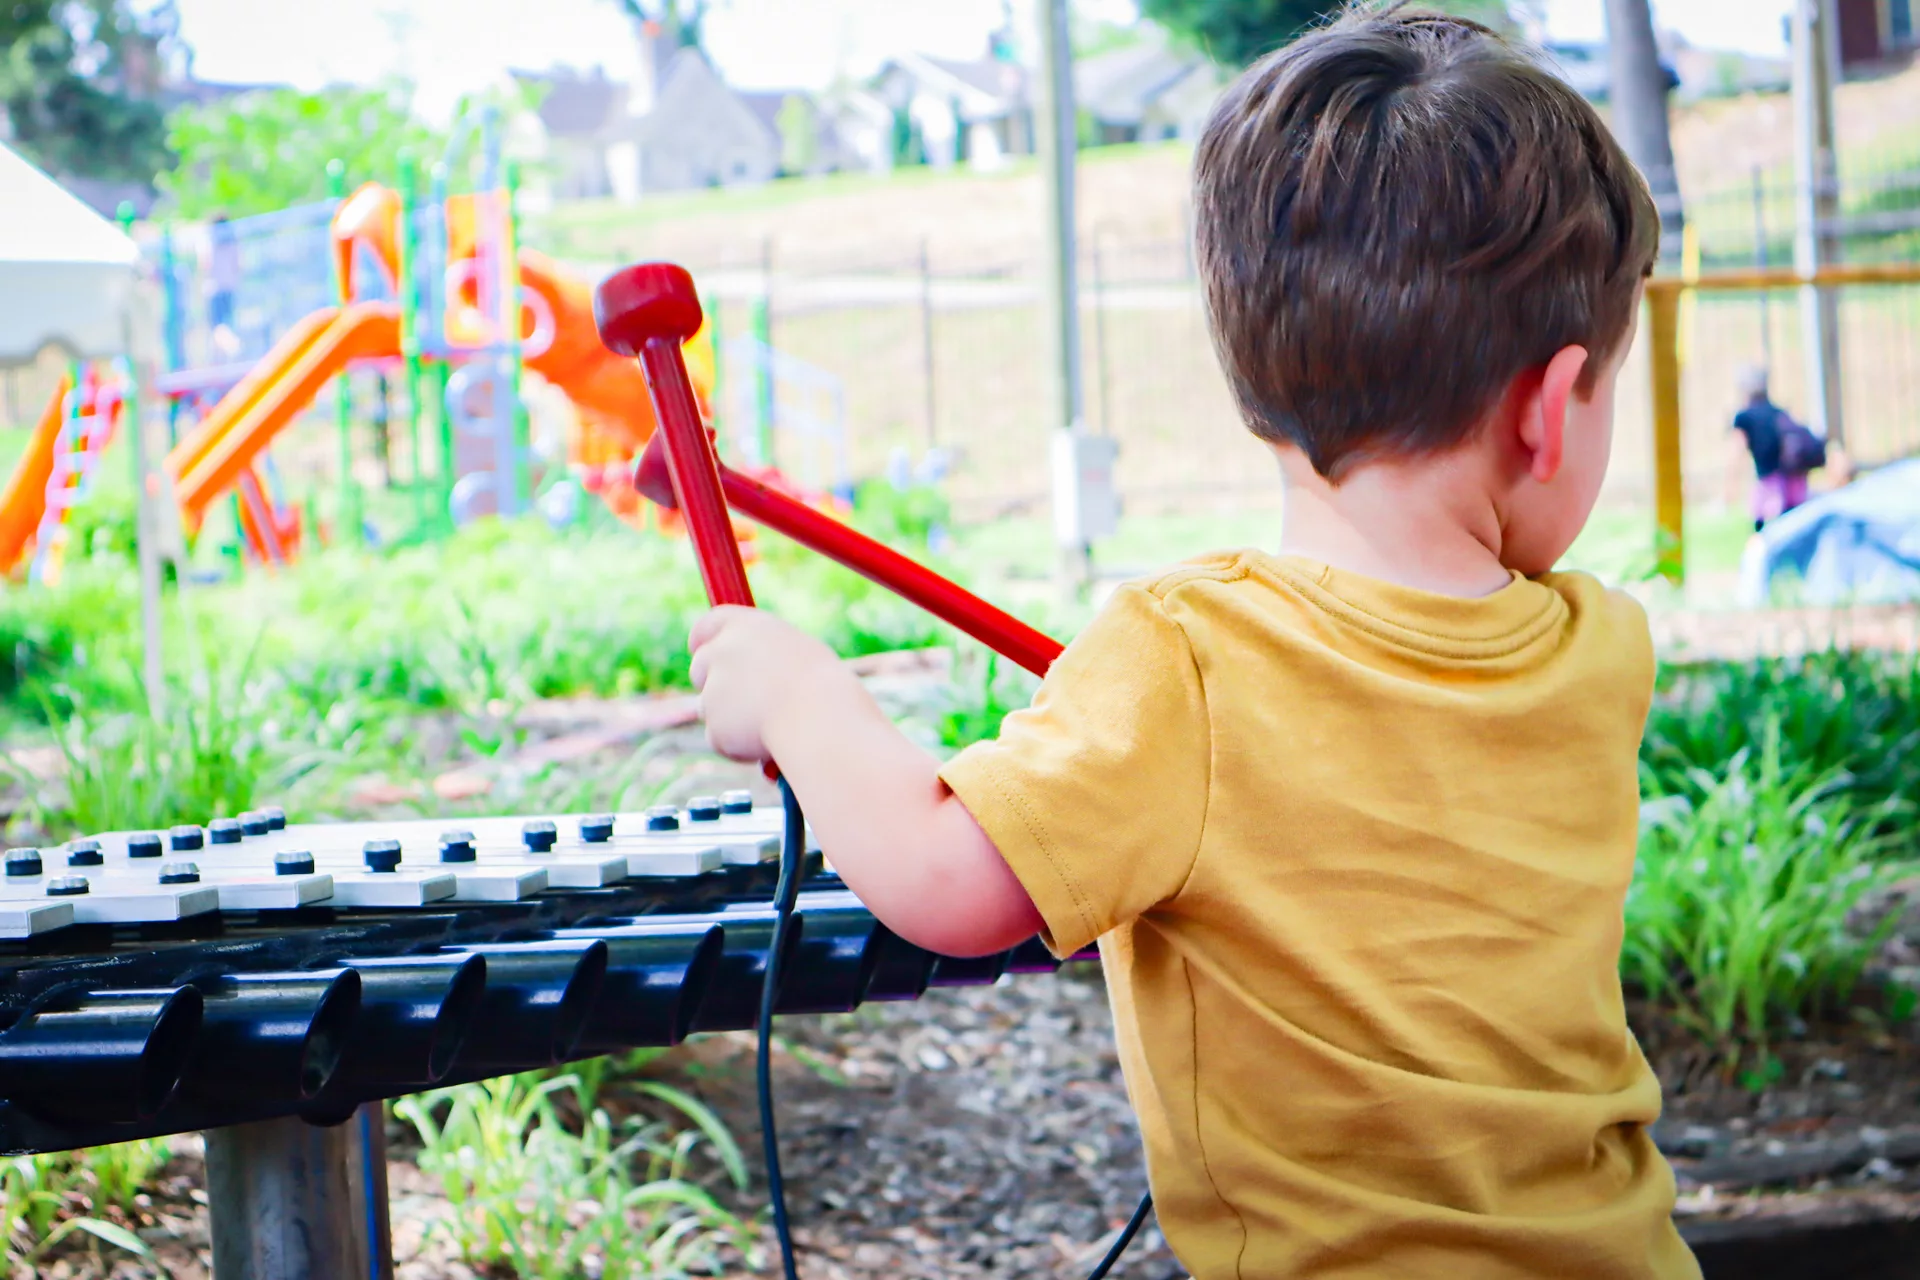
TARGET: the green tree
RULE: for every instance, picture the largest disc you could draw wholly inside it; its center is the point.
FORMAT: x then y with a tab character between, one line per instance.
79	80
680	20
1235	32
799	135
269	149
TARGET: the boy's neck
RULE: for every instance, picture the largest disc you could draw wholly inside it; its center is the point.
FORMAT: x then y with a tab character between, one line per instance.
1421	524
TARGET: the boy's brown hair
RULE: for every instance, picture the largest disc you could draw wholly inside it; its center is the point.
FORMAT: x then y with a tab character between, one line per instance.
1397	215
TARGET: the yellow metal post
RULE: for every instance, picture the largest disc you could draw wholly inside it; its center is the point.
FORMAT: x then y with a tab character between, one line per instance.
1669	499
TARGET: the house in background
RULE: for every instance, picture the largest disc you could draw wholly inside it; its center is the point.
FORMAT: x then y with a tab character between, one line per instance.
979	112
1584	65
1874	33
1722	73
582	117
1147	91
703	133
860	129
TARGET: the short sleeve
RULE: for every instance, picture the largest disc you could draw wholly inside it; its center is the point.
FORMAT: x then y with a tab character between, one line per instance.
1096	794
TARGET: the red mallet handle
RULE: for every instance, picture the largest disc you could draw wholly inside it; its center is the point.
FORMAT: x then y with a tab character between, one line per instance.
650	311
914	582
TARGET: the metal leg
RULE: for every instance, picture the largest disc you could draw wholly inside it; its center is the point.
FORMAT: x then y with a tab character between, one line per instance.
294	1201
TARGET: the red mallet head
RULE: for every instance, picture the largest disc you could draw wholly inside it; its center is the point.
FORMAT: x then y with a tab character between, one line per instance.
639	303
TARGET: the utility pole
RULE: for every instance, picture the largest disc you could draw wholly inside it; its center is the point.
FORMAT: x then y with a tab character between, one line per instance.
1639	98
1816	242
1084	506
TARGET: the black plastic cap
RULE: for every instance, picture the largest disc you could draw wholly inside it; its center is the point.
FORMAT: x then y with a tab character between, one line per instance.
737	802
24	862
179	873
66	886
144	845
456	846
254	823
597	829
224	831
185	839
540	835
663	817
382	855
84	853
293	862
704	809
276	817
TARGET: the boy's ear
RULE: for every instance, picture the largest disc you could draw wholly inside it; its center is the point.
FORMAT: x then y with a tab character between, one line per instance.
1543	412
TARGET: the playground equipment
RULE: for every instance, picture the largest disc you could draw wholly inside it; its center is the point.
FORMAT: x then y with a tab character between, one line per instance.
433	294
53	474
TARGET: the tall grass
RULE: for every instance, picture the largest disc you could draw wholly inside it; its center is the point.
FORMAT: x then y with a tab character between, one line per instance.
1744	906
46	1199
551	1201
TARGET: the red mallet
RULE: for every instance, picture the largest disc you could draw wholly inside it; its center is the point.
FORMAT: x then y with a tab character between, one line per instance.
999	630
649	312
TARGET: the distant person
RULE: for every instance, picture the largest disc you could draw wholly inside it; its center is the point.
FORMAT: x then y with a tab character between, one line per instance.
223	281
1783	451
1353	820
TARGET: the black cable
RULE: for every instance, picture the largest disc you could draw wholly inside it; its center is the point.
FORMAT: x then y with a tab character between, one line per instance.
1126	1237
793	846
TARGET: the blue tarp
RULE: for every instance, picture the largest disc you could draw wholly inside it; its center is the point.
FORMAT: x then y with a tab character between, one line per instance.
1856	545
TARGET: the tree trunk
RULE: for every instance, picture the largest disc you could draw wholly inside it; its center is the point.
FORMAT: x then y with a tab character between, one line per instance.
1639	94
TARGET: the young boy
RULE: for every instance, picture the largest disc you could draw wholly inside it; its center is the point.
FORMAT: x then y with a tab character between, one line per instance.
1353	823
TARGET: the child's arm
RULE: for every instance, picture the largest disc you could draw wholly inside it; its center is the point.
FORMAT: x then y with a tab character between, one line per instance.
895	833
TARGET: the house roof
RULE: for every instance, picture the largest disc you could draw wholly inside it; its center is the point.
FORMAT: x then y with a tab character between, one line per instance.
577	105
990	76
989	86
767	104
1118	87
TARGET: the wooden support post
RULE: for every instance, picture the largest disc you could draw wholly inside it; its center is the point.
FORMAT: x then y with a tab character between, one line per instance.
1669	496
293	1201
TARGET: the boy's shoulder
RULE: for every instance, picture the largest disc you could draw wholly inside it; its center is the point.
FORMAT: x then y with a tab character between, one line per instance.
1302	602
1216	567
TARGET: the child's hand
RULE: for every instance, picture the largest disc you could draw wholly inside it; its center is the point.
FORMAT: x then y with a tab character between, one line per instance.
749	666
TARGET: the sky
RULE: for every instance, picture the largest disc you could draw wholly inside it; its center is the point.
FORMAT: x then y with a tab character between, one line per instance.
449	47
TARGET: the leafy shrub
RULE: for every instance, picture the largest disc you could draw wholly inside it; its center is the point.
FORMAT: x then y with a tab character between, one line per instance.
1854	712
82	636
1739	912
984	692
913	516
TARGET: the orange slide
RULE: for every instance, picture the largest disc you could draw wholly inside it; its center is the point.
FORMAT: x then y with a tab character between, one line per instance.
24	501
610	392
216	455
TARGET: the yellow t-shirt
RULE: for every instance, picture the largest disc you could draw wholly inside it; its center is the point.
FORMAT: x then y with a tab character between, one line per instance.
1356	855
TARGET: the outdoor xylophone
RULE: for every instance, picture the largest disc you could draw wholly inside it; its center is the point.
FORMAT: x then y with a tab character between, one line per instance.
248	971
266	983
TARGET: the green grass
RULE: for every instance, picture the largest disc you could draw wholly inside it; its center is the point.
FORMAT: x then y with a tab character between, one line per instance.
594	228
46	1199
543	1199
